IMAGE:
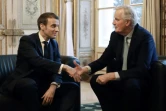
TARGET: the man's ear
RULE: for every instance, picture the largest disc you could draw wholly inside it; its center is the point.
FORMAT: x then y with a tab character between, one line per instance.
42	26
128	22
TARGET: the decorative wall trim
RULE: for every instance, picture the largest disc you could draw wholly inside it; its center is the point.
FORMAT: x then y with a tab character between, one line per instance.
2	37
85	23
2	25
84	37
31	11
12	32
2	14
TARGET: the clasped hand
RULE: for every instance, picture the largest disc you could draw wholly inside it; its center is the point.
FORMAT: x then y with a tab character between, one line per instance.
76	72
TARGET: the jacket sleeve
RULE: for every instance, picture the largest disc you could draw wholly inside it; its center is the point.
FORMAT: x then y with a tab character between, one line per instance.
106	57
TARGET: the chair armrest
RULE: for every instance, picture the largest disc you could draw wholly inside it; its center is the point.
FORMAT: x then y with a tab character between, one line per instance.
158	91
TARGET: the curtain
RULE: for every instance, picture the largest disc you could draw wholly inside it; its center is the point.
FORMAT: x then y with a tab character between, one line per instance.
62	36
151	19
69	32
65	38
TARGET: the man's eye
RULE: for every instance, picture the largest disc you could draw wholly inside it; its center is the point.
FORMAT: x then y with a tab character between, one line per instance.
53	26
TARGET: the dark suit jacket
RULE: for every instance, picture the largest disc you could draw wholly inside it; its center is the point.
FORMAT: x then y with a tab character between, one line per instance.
30	61
142	53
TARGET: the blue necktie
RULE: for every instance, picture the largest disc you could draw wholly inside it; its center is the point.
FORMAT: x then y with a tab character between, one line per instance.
46	50
125	53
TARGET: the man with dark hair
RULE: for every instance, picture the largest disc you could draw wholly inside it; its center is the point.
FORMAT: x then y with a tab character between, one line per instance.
128	57
36	81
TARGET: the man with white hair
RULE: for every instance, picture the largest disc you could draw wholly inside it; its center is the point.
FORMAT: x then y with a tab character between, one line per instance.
128	57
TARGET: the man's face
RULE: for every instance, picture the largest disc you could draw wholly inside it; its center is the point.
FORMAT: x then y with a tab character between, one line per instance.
119	23
51	29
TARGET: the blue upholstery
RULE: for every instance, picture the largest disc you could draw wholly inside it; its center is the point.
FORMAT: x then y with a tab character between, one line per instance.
7	65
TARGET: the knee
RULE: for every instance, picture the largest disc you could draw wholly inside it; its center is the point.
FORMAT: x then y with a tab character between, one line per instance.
93	82
74	86
26	83
132	85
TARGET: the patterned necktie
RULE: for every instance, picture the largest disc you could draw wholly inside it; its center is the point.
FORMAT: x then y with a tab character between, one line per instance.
46	50
125	53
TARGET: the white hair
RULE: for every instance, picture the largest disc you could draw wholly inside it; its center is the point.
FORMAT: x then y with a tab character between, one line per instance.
128	14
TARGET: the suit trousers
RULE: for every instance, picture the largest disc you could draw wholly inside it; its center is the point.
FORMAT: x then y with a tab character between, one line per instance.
121	95
29	93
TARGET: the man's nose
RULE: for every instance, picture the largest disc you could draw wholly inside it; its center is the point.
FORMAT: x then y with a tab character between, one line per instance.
113	22
57	29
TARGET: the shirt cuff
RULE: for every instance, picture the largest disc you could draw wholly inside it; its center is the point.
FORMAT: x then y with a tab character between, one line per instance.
89	69
60	69
55	83
117	77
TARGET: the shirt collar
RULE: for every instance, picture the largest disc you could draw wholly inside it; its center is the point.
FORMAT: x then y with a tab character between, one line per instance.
130	34
41	38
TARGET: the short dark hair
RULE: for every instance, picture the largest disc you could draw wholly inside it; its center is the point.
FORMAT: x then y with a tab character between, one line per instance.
43	18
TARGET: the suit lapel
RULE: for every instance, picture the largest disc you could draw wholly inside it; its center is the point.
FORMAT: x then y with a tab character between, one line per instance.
135	40
39	47
51	50
119	51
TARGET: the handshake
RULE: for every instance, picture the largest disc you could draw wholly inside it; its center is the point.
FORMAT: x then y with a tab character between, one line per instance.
76	72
